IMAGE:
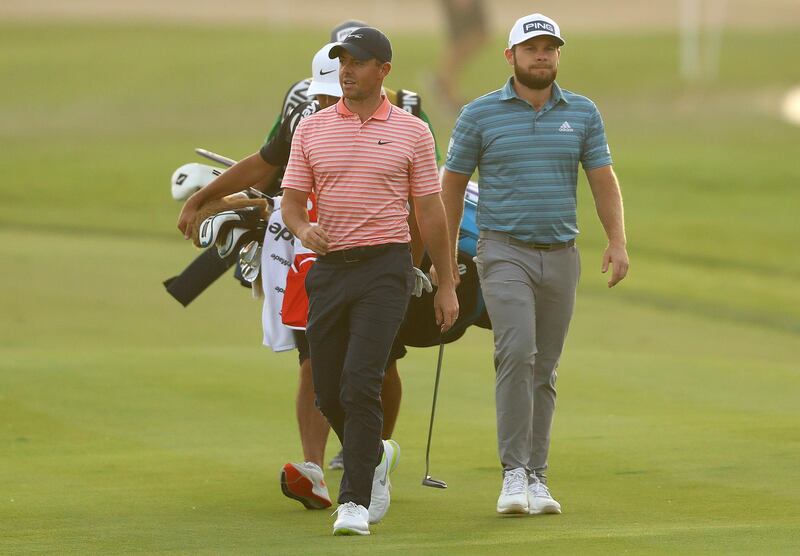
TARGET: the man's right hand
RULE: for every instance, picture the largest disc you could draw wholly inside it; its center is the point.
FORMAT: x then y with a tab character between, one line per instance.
187	216
314	238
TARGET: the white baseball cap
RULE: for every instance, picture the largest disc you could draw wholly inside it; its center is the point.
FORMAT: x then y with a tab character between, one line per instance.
325	74
534	25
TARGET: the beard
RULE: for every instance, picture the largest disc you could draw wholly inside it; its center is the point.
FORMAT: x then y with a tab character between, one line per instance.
533	81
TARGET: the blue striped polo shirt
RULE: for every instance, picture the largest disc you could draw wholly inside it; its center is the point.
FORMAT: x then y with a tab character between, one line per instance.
528	160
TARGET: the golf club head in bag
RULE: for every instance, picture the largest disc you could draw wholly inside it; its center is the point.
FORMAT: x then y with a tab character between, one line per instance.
250	261
216	227
237	238
192	177
229	228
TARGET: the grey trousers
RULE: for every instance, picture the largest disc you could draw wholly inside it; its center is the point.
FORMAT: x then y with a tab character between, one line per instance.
530	296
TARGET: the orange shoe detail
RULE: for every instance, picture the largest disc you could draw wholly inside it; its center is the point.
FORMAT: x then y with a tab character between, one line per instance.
297	486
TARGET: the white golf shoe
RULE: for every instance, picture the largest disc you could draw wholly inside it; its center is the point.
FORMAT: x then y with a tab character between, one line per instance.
381	485
540	501
305	483
514	494
351	519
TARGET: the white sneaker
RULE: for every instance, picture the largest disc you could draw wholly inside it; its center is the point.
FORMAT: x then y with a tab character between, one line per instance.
540	501
305	483
352	519
395	459
514	494
381	485
337	462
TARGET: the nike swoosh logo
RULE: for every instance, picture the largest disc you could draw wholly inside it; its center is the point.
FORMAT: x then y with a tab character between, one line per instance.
385	475
384	142
326	72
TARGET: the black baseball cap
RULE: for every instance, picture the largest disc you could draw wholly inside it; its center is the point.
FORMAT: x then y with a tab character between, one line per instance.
364	43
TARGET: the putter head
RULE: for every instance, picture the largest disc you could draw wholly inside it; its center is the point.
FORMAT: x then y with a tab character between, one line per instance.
428	481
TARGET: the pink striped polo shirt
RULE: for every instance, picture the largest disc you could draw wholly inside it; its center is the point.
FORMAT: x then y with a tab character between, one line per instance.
363	173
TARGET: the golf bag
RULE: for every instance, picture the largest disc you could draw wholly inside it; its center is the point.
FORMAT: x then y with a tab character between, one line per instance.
223	235
419	329
201	273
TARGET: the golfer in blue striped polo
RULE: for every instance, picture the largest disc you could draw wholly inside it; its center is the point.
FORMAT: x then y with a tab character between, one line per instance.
527	140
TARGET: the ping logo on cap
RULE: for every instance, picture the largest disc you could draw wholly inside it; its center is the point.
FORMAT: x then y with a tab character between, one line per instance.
354	36
539	25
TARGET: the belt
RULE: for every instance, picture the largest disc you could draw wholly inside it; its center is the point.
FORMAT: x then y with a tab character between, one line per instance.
506	238
358	254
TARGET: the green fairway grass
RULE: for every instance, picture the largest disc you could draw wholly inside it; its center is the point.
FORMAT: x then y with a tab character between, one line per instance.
130	424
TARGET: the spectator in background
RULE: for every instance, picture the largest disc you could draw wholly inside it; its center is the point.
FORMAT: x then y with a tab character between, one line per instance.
467	32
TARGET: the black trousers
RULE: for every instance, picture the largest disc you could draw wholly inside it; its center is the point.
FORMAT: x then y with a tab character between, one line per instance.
355	310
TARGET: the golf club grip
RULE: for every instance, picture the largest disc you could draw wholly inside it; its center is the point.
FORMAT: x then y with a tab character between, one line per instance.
433	406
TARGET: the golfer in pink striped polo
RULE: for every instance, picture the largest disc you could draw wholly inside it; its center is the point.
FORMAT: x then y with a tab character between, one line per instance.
364	159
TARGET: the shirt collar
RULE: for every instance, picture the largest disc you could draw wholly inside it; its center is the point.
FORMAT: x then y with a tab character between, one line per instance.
342	109
558	95
382	113
508	93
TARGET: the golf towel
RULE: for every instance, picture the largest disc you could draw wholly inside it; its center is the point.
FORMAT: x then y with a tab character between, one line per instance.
276	258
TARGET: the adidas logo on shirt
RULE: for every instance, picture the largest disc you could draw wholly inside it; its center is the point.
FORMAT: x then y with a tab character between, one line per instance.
566	127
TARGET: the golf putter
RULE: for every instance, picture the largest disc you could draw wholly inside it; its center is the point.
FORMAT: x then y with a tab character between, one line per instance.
429	481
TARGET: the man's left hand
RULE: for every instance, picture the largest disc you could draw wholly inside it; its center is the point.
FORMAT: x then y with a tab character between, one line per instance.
617	256
445	303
